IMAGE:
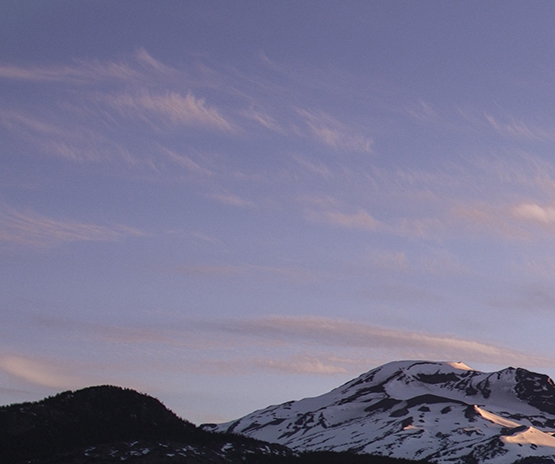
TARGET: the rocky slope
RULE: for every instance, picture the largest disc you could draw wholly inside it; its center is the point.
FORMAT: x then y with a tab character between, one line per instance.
443	412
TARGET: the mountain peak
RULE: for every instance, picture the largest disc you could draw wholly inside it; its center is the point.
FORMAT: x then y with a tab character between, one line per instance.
441	411
415	368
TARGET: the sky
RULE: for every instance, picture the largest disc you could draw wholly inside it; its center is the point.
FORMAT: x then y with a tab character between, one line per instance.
228	205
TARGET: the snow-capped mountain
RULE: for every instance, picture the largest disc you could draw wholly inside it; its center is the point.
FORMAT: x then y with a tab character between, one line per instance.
443	412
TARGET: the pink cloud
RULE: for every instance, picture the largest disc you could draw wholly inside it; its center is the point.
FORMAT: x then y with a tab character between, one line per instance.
30	228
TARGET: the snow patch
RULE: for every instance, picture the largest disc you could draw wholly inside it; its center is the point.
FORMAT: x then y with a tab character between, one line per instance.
460	365
496	419
531	436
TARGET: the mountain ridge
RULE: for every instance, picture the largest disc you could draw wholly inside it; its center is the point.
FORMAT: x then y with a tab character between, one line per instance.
438	412
108	424
444	412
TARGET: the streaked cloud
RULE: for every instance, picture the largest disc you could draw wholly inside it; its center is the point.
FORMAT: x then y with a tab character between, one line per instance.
233	200
441	262
30	228
530	297
486	220
360	219
534	212
180	336
308	345
18	121
231	270
91	71
431	260
264	119
314	167
177	109
329	210
78	74
422	111
65	140
40	371
395	292
427	227
335	134
537	267
321	201
147	60
389	261
520	130
206	238
184	161
303	365
404	343
508	222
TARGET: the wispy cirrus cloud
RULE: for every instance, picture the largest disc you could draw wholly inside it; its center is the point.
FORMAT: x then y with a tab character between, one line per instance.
180	335
40	371
264	119
359	219
534	212
520	130
30	228
81	72
74	143
232	270
310	345
347	334
395	292
333	133
329	210
424	227
18	121
304	364
526	296
233	200
436	261
480	219
79	144
172	107
314	167
441	262
518	221
184	161
422	111
389	261
95	125
78	74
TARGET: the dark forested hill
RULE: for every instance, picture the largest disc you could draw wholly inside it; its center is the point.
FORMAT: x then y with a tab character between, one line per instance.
86	417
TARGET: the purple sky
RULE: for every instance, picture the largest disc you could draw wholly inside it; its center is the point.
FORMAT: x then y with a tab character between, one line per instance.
233	204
